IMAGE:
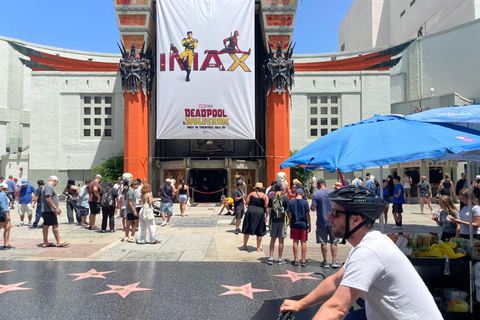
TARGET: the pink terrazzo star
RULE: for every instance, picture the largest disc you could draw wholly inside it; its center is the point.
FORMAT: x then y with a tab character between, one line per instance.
5	271
294	276
12	287
245	290
90	274
124	290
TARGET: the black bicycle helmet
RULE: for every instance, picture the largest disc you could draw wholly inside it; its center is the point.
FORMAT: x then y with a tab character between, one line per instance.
358	200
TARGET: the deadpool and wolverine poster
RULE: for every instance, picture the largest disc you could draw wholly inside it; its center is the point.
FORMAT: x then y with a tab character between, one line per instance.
205	69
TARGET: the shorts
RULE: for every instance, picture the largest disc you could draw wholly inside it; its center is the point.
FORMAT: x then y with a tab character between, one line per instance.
397	208
131	217
49	219
167	208
94	207
3	219
83	211
408	191
325	235
239	212
182	198
123	212
277	229
25	209
298	234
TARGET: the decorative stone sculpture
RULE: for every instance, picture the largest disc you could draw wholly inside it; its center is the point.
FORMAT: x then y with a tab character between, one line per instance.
280	70
136	70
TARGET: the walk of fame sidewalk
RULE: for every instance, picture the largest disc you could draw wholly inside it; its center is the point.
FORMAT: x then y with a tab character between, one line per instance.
202	235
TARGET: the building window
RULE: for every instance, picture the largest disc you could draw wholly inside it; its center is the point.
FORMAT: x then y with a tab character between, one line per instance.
313	100
412	3
330	115
101	117
402	13
342	48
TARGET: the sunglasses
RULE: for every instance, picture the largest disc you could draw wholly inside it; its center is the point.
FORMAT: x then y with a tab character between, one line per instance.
336	213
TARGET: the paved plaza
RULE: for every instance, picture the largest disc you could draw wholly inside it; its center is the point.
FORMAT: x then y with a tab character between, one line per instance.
196	272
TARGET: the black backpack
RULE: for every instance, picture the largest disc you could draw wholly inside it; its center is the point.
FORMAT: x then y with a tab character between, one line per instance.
107	198
278	210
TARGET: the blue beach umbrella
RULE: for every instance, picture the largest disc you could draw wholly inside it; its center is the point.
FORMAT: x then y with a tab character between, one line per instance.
454	114
383	140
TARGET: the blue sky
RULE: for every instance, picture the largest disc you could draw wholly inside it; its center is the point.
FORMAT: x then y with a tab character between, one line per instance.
90	25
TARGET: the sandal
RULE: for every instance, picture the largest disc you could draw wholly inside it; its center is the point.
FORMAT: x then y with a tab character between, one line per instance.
49	245
63	245
295	263
304	264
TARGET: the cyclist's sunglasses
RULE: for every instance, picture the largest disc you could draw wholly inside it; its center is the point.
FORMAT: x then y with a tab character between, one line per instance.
336	213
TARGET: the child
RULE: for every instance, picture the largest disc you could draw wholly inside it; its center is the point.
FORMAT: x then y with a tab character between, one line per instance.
5	216
298	213
227	203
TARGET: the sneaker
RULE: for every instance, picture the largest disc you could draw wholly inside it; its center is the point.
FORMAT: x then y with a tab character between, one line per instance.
324	264
282	261
29	223
9	247
125	239
335	264
163	223
386	225
237	231
21	224
168	223
132	239
394	227
113	230
270	261
232	222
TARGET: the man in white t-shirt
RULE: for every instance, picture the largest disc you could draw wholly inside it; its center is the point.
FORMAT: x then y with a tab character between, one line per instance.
407	187
375	269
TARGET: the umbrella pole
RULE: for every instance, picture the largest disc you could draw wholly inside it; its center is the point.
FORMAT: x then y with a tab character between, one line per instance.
470	217
382	219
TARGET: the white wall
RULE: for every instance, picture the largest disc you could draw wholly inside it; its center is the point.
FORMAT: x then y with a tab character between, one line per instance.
362	95
448	62
373	23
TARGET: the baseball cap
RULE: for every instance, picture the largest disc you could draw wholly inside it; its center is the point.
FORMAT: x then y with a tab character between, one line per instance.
40	182
463	174
98	176
478	177
299	191
53	178
24	182
321	181
239	183
223	196
168	180
3	185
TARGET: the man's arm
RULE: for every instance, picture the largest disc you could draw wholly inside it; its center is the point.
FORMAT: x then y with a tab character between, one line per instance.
322	293
337	307
399	192
95	191
34	202
52	205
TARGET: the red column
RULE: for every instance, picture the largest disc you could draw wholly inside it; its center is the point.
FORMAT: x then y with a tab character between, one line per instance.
278	133
136	134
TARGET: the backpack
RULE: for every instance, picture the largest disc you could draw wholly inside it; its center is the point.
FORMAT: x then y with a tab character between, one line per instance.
107	198
278	214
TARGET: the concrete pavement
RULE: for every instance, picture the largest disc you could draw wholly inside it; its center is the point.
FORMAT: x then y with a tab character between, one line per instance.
202	235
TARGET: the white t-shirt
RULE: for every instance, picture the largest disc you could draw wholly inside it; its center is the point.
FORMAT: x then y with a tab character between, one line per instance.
464	216
138	197
392	287
406	182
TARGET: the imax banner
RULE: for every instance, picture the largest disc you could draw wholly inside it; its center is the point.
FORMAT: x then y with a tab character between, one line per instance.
205	69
